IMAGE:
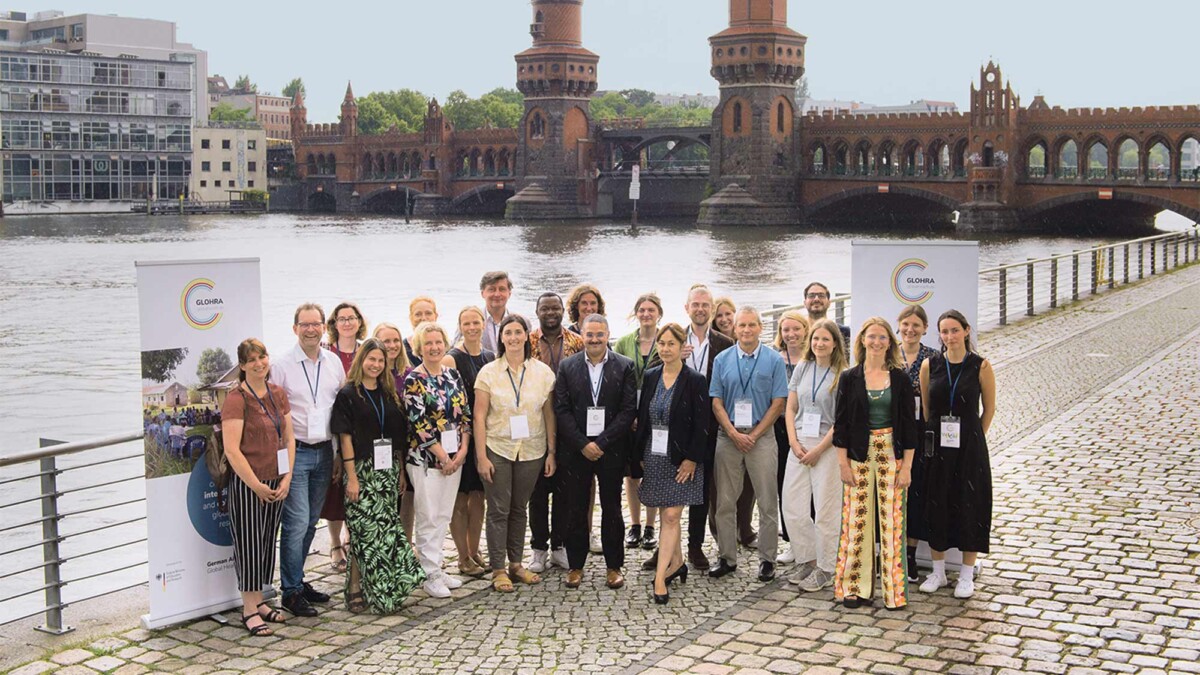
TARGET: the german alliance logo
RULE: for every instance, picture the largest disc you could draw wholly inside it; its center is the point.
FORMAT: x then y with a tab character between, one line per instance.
912	284
202	307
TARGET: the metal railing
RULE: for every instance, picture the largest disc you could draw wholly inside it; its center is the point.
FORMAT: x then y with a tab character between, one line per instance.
61	508
1038	284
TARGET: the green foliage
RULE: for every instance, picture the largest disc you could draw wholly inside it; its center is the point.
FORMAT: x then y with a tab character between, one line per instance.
380	110
244	84
632	103
802	89
290	89
160	364
501	107
224	112
214	362
639	98
254	196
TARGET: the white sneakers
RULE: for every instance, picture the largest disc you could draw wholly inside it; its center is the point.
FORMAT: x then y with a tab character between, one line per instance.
964	589
933	582
435	586
819	579
451	582
538	564
596	545
558	558
787	557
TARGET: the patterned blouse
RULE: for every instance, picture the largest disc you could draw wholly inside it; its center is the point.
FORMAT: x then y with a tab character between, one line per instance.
434	404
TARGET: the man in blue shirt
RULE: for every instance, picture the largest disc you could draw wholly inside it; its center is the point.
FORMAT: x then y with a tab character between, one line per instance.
749	390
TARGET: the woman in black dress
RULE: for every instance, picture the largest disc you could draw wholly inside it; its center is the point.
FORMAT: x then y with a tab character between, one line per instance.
467	524
672	434
958	478
911	326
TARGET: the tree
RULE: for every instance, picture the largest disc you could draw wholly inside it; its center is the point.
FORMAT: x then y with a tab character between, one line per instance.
404	108
639	98
296	85
374	119
224	112
802	89
158	365
502	108
244	85
214	362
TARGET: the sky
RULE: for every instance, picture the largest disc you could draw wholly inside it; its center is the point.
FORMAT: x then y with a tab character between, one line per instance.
1077	53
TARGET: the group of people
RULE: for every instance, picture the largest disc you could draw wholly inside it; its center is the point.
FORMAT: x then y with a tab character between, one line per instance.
498	424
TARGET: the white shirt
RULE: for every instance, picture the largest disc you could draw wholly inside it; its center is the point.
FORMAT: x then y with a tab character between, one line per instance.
699	358
311	386
491	331
596	374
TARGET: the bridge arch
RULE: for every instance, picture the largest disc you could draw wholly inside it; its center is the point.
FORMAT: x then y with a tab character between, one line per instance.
839	157
818	158
912	159
1085	206
1121	164
911	201
1097	157
486	199
885	157
938	157
1065	158
862	157
1035	153
1159	160
320	201
387	200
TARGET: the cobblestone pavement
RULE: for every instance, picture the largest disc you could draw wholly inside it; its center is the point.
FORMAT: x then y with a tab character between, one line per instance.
1094	564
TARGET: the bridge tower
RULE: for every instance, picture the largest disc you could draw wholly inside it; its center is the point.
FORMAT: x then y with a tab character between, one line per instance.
349	121
754	158
991	154
555	148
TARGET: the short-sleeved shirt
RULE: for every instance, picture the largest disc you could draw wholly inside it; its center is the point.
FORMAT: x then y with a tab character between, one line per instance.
501	384
760	377
357	411
260	441
815	393
552	355
433	405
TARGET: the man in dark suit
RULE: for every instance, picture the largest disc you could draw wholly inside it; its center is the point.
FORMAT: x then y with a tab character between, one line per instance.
595	401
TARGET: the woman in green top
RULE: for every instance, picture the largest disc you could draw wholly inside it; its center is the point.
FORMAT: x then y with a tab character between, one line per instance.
640	346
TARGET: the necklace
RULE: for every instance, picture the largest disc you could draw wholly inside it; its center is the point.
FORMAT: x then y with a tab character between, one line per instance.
874	397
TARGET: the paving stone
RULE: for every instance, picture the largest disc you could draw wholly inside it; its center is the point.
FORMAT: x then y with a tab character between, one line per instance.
104	664
35	668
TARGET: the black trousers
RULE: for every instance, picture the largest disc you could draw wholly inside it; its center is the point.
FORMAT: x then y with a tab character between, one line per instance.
785	449
575	489
546	530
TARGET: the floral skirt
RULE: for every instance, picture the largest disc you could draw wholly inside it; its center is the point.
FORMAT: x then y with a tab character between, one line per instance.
387	565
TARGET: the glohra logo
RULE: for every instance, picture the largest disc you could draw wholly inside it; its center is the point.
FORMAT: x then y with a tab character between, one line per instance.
912	283
202	307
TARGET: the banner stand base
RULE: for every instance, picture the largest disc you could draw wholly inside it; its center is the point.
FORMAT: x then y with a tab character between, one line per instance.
217	618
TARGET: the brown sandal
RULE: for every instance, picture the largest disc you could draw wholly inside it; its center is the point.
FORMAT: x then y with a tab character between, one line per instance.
470	568
501	583
338	566
524	576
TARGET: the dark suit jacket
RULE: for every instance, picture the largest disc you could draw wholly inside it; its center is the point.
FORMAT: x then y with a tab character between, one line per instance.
573	396
851	429
691	415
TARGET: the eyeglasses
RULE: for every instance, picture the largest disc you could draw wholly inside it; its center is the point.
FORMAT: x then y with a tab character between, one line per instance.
347	319
817	296
310	325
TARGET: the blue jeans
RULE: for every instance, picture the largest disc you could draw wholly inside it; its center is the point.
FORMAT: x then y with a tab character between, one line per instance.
301	509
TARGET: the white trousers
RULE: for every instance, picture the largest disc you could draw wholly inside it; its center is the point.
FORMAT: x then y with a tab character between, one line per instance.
804	486
433	500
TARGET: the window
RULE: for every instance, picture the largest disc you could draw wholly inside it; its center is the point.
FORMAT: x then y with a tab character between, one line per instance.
252	166
203	183
249	183
226	166
4	35
225	144
252	145
216	183
204	144
206	166
77	31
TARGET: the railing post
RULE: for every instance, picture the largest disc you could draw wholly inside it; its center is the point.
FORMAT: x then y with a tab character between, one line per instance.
1112	267
1053	283
1153	258
1075	276
1029	289
1175	251
1141	257
1003	297
50	554
1125	262
1095	271
839	312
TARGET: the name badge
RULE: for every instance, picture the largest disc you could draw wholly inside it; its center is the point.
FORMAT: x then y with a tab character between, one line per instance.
917	401
383	454
595	421
810	425
951	432
519	427
450	441
659	436
316	427
281	460
743	413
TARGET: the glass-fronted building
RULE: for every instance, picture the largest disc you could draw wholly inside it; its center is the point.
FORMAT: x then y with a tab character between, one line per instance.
91	128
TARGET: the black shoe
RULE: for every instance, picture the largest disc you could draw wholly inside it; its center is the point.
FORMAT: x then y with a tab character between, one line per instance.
661	599
633	538
766	571
313	595
721	569
680	574
651	563
855	603
697	558
296	604
649	541
913	574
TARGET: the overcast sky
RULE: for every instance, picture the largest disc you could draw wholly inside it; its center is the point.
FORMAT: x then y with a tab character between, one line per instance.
1075	52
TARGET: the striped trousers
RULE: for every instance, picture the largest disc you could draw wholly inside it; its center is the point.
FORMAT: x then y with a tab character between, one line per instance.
255	527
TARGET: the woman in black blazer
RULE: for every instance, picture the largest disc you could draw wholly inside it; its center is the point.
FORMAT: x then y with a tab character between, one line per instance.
672	438
875	433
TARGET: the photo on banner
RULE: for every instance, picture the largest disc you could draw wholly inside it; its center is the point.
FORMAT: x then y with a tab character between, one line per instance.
192	316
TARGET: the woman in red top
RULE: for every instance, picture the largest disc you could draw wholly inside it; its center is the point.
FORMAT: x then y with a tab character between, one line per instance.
346	328
256	427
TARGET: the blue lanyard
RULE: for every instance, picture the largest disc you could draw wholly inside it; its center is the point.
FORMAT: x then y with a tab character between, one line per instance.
276	419
311	387
954	379
380	410
746	382
515	387
816	386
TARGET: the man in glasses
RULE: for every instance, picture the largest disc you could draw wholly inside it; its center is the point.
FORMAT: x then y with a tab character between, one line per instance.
816	303
311	376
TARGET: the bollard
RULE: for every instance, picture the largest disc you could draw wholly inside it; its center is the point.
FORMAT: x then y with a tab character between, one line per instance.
1053	283
52	574
1029	289
1003	297
1075	276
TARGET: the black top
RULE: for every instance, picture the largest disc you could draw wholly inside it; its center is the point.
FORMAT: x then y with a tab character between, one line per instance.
851	428
413	359
718	342
354	414
691	415
573	397
468	366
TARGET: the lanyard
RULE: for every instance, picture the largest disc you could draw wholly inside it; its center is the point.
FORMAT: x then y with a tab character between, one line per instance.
312	387
276	419
562	345
380	410
816	386
954	379
599	383
516	387
746	382
703	353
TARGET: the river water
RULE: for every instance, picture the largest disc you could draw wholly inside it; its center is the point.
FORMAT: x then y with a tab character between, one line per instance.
69	353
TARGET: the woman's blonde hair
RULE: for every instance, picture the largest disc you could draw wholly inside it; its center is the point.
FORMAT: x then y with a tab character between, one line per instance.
412	306
893	359
425	328
792	315
401	364
837	358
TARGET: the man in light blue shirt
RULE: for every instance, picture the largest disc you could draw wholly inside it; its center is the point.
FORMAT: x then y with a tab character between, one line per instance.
748	390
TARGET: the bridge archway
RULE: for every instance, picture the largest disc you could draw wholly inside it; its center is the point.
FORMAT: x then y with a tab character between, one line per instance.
818	159
322	202
484	200
862	158
885	158
1036	154
1159	162
1124	213
1128	158
900	206
1066	158
1096	151
387	201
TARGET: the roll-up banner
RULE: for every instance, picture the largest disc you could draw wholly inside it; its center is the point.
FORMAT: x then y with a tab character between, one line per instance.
192	314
